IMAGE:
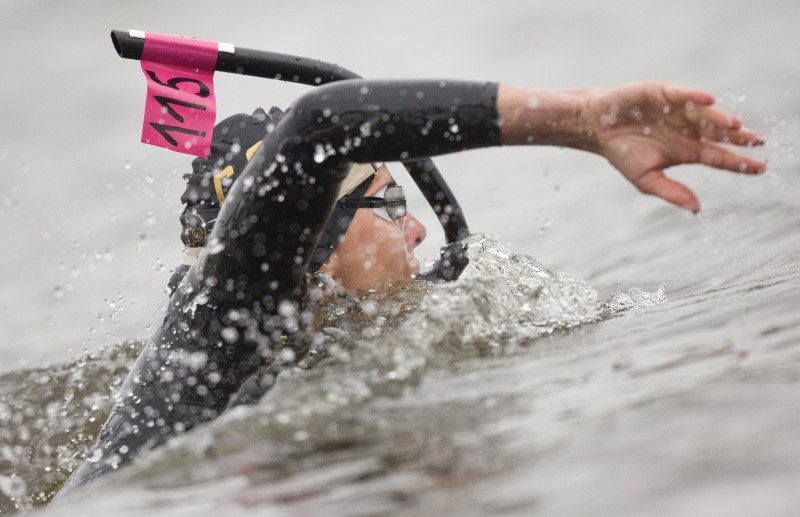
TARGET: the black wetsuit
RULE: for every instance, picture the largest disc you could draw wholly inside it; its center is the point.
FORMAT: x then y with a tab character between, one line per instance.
229	309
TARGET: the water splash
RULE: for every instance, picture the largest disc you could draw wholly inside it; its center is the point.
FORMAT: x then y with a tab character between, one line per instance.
356	348
48	419
371	345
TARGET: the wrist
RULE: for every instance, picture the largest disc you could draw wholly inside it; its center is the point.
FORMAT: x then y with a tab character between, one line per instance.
545	117
586	129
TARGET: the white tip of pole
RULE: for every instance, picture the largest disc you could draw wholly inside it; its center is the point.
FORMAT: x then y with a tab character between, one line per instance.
228	48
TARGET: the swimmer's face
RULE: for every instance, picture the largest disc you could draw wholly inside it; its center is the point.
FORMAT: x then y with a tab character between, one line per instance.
375	252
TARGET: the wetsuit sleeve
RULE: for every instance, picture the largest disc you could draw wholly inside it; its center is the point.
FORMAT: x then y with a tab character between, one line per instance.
398	120
241	297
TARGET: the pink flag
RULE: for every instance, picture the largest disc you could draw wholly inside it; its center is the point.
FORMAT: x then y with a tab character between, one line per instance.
181	107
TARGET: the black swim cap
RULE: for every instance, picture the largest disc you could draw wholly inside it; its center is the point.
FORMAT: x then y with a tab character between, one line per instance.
234	142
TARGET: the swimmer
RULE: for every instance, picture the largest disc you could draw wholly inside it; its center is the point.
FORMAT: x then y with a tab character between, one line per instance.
302	201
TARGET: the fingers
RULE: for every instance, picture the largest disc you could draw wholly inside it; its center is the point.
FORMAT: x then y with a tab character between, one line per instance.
709	118
682	95
655	183
720	158
715	124
741	137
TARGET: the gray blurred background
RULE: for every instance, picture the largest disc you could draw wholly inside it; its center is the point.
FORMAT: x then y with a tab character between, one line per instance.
89	214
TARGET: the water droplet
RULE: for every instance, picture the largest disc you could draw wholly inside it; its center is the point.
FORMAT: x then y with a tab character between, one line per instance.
230	334
12	486
195	361
287	355
113	460
319	153
287	309
95	456
58	291
214	246
127	166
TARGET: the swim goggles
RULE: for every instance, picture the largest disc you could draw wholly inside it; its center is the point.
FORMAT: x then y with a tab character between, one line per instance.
389	203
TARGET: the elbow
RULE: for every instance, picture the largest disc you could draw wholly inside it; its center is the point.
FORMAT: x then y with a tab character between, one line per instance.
327	116
325	106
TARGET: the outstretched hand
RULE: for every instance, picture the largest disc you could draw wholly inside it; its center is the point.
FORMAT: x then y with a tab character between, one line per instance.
644	128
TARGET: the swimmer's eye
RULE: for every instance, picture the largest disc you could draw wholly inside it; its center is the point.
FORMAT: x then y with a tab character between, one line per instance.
394	207
389	203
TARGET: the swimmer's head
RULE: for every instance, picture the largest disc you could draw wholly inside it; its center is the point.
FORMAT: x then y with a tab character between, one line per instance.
361	248
376	249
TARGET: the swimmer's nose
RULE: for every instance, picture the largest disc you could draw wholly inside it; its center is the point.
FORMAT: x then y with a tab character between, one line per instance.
415	231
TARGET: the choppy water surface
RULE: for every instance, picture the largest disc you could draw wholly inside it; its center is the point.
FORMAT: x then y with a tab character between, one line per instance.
513	389
666	383
367	348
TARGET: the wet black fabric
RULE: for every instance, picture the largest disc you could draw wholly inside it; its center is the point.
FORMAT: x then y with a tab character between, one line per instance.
208	184
240	298
231	139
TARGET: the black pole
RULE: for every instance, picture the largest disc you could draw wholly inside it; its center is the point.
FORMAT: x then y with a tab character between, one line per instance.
256	63
313	72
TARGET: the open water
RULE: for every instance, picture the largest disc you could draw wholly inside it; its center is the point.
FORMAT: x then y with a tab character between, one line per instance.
605	353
